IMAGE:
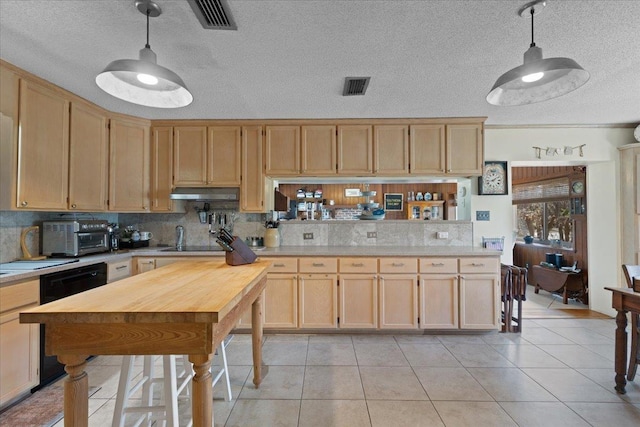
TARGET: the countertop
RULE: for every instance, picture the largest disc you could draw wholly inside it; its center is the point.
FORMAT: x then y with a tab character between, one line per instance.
299	251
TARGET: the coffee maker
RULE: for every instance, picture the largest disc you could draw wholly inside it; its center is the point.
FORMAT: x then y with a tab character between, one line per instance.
114	237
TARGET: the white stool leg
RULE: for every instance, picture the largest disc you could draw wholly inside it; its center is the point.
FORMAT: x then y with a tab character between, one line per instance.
170	390
126	389
226	371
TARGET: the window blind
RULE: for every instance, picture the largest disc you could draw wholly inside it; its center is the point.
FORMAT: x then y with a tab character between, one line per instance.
553	189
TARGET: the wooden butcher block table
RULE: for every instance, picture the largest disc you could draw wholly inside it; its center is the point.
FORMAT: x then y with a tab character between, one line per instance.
183	308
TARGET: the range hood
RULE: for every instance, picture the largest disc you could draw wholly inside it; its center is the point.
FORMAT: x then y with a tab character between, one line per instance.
206	194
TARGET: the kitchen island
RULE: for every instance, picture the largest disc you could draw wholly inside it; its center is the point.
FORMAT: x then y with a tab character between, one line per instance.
184	308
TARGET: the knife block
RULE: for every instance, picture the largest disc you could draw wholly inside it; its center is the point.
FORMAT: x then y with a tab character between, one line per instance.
241	253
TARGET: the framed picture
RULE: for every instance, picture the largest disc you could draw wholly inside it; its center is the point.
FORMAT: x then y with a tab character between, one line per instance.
393	201
494	179
352	192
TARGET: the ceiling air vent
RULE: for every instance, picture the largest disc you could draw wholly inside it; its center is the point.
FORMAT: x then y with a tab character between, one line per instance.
213	14
355	85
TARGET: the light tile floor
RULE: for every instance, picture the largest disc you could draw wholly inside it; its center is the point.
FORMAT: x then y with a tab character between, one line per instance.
557	372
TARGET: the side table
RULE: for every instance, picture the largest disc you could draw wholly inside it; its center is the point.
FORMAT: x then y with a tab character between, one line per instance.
565	282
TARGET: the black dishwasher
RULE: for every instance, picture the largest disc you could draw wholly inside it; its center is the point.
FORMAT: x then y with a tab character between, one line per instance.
55	286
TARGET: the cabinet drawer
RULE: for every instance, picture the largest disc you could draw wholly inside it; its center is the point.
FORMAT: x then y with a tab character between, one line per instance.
398	265
479	265
19	295
358	265
118	270
318	265
438	265
283	265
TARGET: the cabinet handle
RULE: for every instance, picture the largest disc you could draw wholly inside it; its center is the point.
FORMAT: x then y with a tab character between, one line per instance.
397	264
73	206
437	264
23	204
357	264
473	264
120	267
318	264
278	265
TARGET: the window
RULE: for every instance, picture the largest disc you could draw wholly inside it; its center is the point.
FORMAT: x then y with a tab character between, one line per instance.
543	211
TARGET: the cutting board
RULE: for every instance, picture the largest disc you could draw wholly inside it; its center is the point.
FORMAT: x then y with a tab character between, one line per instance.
35	265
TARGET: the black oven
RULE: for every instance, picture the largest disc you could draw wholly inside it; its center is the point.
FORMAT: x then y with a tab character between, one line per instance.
55	286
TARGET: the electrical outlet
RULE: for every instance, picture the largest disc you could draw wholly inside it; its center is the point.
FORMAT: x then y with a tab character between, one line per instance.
482	216
307	236
372	234
442	235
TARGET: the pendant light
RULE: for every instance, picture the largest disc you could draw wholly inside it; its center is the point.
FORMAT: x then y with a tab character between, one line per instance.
537	79
142	81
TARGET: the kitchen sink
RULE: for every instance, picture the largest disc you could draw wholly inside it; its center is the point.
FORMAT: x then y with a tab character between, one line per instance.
215	248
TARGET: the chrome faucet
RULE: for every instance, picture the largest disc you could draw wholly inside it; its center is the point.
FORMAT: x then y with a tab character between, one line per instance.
179	236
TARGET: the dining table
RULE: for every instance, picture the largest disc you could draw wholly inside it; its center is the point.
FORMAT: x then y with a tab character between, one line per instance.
183	308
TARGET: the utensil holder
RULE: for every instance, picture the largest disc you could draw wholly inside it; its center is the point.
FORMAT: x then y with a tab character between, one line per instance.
241	253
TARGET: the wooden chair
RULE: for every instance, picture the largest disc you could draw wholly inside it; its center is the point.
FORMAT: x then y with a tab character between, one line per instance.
631	271
514	288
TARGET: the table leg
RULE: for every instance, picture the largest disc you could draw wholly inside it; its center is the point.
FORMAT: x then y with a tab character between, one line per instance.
621	351
256	341
76	391
201	389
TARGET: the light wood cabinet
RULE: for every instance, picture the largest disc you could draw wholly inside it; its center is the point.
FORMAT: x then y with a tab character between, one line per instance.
252	186
9	90
428	149
43	158
391	150
190	156
282	150
398	301
88	158
129	171
280	306
19	343
162	169
224	156
318	300
439	301
355	150
479	301
318	150
118	270
465	149
358	293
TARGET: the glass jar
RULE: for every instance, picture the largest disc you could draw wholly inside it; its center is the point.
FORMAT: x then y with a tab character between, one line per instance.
272	238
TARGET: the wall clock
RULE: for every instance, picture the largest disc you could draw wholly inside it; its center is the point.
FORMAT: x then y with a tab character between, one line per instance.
577	187
493	179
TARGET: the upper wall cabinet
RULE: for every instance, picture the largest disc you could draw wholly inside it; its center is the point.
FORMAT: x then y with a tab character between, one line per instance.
43	148
9	90
88	158
318	143
252	188
355	150
161	168
391	149
129	170
282	150
465	149
206	156
428	149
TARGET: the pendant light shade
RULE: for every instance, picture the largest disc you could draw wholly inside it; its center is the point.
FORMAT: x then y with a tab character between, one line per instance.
142	81
537	79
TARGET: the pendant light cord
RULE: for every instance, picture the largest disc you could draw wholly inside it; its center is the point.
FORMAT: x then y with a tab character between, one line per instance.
147	45
532	13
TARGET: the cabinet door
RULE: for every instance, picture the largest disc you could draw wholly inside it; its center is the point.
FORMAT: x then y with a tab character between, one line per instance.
118	270
43	168
318	146
318	300
129	166
161	168
391	149
355	150
398	301
224	152
145	264
281	301
282	150
88	159
465	149
9	107
189	156
427	150
19	343
252	180
358	301
439	301
479	301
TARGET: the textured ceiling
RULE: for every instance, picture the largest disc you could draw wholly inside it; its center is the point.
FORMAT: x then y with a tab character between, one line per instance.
288	59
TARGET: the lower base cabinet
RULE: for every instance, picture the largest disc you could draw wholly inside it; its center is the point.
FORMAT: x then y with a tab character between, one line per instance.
439	301
280	305
358	301
19	342
479	301
398	301
318	301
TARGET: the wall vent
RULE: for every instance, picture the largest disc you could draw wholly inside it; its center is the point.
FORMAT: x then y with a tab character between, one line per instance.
213	14
355	85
